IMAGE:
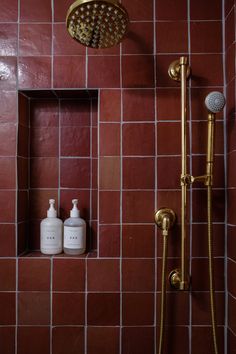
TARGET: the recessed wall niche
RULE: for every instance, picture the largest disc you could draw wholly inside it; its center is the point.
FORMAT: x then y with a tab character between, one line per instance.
56	158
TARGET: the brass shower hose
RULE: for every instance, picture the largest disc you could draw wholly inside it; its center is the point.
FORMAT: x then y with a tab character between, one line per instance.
210	259
163	293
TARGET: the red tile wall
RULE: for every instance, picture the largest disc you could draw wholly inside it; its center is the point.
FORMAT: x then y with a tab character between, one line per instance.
230	53
108	301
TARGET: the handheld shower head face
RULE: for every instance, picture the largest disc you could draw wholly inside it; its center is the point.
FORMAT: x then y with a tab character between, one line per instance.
215	101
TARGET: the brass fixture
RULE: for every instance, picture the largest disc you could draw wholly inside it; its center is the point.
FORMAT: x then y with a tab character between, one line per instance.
97	23
215	102
179	70
165	219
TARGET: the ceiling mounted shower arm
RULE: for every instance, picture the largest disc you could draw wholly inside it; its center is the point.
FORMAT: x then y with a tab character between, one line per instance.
179	70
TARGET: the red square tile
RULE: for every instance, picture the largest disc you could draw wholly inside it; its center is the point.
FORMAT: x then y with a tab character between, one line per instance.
31	12
172	37
34	72
202	10
173	166
137	340
76	141
201	305
103	275
75	112
202	283
110	105
218	202
175	332
174	138
231	239
8	73
228	6
7	173
75	173
68	309
23	107
202	340
138	139
138	241
39	202
104	309
199	240
138	173
109	139
231	200
7	339
168	104
8	39
22	206
138	105
231	277
109	176
230	94
139	39
109	206
22	237
144	302
28	343
34	308
7	206
75	77
44	172
202	76
167	10
138	10
138	275
232	312
60	8
230	29
141	64
138	206
75	275
7	240
231	342
34	274
212	43
103	340
63	43
109	66
35	39
9	11
7	308
230	55
44	142
33	237
178	301
68	340
170	198
8	100
66	205
109	241
44	113
7	275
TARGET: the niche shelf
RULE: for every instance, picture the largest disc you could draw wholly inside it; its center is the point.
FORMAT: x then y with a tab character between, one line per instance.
56	158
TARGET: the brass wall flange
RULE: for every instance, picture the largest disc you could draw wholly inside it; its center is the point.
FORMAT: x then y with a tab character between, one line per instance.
176	282
174	69
163	213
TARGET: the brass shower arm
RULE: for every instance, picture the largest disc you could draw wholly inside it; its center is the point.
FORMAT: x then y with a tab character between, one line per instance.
189	179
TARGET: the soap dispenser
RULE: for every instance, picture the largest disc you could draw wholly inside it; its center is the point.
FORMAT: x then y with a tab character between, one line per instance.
74	232
51	232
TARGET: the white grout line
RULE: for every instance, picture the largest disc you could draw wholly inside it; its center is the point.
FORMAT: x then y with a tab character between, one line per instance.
52	45
98	173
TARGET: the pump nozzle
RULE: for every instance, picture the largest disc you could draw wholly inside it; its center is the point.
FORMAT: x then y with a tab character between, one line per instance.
74	213
52	213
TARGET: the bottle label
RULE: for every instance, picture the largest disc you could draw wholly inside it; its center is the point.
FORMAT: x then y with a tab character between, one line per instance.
74	237
50	238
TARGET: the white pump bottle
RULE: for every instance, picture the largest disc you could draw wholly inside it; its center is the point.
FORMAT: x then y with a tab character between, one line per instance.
51	232
74	232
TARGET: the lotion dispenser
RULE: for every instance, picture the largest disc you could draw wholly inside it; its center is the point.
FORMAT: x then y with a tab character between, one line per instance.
51	232
74	232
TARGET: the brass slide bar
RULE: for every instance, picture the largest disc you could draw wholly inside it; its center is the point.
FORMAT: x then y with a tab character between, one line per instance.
179	70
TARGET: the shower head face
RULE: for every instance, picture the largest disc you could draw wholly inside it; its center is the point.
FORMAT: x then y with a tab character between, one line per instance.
215	101
97	23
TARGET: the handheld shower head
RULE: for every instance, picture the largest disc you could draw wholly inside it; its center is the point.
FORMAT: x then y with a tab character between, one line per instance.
215	101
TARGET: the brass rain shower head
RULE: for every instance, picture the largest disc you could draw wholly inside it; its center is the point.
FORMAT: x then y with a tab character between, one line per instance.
97	23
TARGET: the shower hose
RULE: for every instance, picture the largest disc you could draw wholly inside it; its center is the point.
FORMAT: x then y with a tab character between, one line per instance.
211	282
